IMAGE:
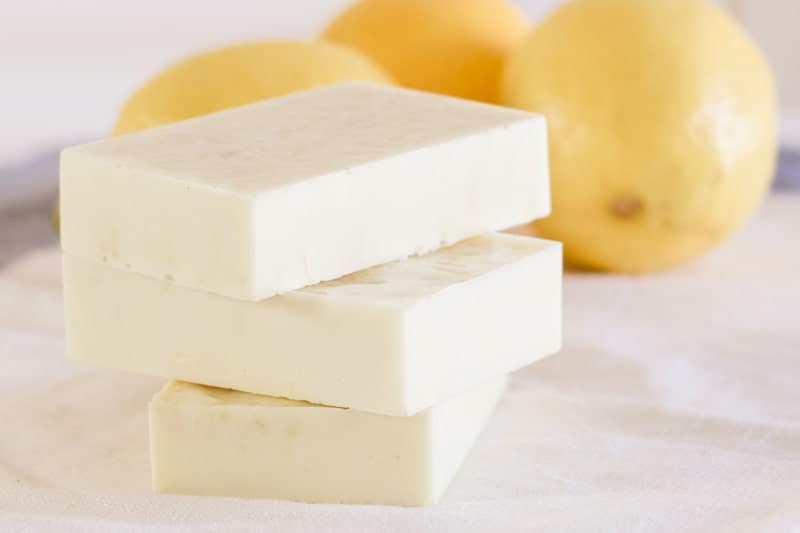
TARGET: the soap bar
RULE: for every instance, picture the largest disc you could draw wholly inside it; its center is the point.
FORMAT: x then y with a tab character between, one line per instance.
393	339
209	441
281	194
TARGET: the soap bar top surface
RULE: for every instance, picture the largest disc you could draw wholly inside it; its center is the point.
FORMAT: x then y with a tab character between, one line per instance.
282	141
406	281
282	194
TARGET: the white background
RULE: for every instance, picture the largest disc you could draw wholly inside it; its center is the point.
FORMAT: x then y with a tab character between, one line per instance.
66	66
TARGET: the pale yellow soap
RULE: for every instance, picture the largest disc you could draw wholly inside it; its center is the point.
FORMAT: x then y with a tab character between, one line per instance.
274	196
210	441
392	339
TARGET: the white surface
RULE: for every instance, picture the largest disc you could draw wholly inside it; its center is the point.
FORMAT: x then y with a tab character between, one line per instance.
392	339
217	442
281	194
674	406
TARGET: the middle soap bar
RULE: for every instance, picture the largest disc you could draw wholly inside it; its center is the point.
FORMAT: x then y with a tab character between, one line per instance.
393	339
281	194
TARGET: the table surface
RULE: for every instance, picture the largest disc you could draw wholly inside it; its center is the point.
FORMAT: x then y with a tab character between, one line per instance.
674	406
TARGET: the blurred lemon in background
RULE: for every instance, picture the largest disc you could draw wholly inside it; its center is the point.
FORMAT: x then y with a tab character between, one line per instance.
241	74
662	122
454	47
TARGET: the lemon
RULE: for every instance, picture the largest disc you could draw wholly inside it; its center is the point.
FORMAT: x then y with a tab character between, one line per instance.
662	122
241	74
454	47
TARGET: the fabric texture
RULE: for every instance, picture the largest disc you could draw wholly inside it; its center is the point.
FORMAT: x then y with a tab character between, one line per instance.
674	406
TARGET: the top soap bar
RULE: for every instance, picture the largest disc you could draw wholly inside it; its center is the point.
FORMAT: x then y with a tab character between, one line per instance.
277	195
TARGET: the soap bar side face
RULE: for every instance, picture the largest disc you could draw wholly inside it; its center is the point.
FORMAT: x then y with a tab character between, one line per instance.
301	454
291	345
214	442
309	454
453	426
168	230
512	312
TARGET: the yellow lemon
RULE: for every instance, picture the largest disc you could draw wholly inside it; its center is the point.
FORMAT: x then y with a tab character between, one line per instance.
454	47
238	75
662	121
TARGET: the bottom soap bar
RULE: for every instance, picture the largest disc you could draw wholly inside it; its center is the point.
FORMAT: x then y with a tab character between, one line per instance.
210	441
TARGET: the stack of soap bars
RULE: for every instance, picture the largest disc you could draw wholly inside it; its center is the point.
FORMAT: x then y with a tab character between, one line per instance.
319	276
